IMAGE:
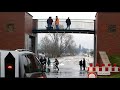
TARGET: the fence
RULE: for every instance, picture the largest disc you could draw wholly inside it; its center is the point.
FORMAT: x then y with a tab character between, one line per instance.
76	24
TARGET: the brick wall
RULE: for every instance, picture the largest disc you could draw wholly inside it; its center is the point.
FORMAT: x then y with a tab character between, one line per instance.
28	23
11	39
35	23
107	40
14	38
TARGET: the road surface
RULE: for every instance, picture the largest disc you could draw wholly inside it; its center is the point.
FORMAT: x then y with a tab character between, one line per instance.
69	67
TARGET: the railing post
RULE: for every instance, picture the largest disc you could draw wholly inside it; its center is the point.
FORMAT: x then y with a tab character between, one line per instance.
94	44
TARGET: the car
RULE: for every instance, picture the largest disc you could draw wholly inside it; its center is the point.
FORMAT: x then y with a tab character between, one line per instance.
28	63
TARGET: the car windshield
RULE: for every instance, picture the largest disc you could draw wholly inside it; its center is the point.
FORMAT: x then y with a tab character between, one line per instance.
34	63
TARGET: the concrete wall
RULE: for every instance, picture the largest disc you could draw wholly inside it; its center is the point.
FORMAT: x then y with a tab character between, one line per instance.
35	26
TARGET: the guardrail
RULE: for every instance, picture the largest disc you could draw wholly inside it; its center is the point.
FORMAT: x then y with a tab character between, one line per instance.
76	24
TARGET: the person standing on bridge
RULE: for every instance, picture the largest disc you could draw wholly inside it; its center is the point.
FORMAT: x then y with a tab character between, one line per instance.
49	23
57	22
68	22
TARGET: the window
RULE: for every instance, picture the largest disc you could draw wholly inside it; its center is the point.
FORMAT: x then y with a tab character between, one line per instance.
32	63
111	28
26	64
38	63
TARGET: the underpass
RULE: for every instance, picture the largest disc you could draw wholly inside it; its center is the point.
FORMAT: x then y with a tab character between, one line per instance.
69	67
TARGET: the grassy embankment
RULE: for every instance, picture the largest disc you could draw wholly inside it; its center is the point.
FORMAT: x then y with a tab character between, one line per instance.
113	59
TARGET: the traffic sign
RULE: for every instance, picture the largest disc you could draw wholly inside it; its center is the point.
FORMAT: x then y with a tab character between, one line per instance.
92	75
9	63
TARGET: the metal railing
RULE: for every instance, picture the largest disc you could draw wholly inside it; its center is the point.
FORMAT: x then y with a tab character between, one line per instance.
76	24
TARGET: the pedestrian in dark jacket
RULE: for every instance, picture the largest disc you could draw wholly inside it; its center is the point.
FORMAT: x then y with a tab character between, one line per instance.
48	62
68	22
44	64
84	63
56	63
49	23
80	63
41	60
44	60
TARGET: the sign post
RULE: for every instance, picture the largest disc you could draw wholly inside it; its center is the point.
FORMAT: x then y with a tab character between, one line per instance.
9	63
92	75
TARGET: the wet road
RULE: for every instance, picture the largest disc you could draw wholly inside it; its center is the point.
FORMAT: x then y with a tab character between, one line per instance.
69	68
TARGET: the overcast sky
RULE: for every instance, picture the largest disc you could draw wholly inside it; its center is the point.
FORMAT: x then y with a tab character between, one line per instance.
87	40
64	15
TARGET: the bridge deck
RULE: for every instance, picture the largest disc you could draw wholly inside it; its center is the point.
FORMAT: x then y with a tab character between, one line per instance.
63	31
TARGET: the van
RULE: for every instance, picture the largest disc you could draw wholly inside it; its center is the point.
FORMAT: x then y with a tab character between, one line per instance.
20	64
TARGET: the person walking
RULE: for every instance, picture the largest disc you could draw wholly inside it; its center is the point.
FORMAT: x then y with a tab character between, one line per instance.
56	63
80	63
48	62
84	64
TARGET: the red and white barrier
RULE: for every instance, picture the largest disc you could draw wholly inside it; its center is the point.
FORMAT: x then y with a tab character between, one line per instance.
103	70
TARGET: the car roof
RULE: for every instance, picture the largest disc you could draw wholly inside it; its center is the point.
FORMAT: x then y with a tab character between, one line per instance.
26	52
21	51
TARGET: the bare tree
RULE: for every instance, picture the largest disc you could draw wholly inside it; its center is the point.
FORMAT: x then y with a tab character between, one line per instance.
45	45
55	44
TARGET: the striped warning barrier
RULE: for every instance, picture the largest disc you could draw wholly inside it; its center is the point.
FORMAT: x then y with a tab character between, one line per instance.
103	70
115	68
